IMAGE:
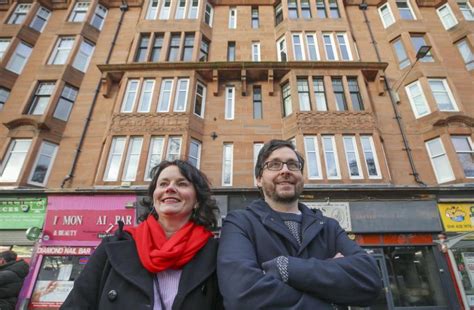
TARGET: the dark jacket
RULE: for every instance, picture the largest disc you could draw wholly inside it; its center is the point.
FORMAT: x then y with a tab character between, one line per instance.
12	275
257	234
114	278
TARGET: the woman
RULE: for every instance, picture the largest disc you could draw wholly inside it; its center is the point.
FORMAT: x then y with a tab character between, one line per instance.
166	262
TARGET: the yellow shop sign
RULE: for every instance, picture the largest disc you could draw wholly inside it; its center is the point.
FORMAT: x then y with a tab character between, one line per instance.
457	216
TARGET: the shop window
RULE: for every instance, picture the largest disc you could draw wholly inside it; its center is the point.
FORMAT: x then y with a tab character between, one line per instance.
79	12
446	16
41	98
229	102
19	58
405	10
61	51
4	44
257	102
99	17
286	96
417	99
465	153
352	157
200	100
65	103
320	94
43	164
194	155
463	259
227	164
331	158
20	13
303	94
386	15
83	56
14	159
4	94
312	157
41	18
439	161
255	17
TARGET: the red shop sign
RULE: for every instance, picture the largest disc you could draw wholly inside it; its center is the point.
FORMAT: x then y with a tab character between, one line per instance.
85	225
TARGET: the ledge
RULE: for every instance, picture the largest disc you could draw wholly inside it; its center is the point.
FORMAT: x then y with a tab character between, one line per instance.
25	121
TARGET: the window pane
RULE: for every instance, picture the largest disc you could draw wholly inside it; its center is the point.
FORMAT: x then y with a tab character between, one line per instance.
165	96
65	103
403	60
181	95
441	95
332	167
194	153
155	154
320	94
115	158
83	56
286	94
200	100
43	163
312	157
369	155
463	147
145	96
19	58
133	157
352	157
174	148
229	102
14	159
303	95
257	102
227	164
130	95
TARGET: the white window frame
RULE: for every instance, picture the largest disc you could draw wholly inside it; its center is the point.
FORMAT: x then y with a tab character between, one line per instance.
471	152
304	105
370	140
83	56
172	156
424	102
447	91
79	6
40	16
155	155
165	9
4	94
116	155
165	106
58	50
209	10
177	97
19	60
402	63
318	102
180	10
257	146
65	103
314	46
355	151
346	44
100	13
332	45
410	8
256	51
21	10
4	45
130	91
287	105
311	142
232	18
7	160
43	90
336	157
193	12
152	10
229	103
281	48
227	163
196	158
441	179
146	93
466	52
203	99
51	157
449	13
389	15
132	160
301	45
469	12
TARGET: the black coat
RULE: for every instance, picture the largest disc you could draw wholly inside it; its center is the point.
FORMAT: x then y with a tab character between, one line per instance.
114	278
12	275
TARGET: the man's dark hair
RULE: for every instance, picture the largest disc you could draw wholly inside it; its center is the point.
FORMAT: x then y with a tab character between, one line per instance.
8	256
268	148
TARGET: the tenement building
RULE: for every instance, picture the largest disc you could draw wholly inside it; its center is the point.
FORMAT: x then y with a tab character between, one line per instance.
377	95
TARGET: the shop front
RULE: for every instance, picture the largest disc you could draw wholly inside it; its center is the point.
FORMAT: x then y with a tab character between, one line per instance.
74	227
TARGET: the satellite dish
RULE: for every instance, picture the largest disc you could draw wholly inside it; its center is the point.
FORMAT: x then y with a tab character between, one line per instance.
33	233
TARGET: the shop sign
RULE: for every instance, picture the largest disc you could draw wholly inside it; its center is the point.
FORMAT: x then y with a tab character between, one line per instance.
457	216
336	210
21	213
64	250
84	225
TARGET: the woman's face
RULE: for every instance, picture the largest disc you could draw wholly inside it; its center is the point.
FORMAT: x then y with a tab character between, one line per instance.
174	195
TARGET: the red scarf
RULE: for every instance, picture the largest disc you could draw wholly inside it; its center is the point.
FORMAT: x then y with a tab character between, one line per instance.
158	253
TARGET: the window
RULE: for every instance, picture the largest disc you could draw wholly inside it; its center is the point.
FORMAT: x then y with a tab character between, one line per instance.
208	14
255	18
344	50
181	9
298	46
61	51
115	158
142	48
286	94
174	148
19	58
256	149
157	47
303	94
4	94
402	57
292	9
40	100
312	157
257	102
439	161
255	51
99	17
354	91
165	9
278	13
312	48
4	43
386	15
418	41
155	153
321	9
130	96
463	47
19	14
194	156
463	147
79	12
333	9
329	46
181	97
446	16
43	163
229	102
320	94
352	157
338	88
165	95
41	18
152	9
227	162
370	157
204	50
173	53
232	18
442	95
187	54
466	9
417	99
281	47
83	56
145	96
330	157
133	158
406	12
65	103
231	51
194	9
14	159
200	100
305	9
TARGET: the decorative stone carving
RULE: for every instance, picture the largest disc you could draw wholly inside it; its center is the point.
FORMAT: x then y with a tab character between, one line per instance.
149	123
335	121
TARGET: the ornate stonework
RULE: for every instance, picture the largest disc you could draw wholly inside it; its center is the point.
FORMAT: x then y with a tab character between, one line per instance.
335	121
135	123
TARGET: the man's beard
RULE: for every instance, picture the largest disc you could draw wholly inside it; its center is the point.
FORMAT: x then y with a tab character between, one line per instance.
273	194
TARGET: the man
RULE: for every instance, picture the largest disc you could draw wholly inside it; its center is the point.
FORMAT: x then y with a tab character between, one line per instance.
12	274
278	253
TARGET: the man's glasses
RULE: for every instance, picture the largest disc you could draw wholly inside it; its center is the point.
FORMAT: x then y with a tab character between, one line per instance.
276	165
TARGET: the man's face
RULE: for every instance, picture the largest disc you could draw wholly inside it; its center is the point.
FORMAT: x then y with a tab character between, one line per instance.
284	186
